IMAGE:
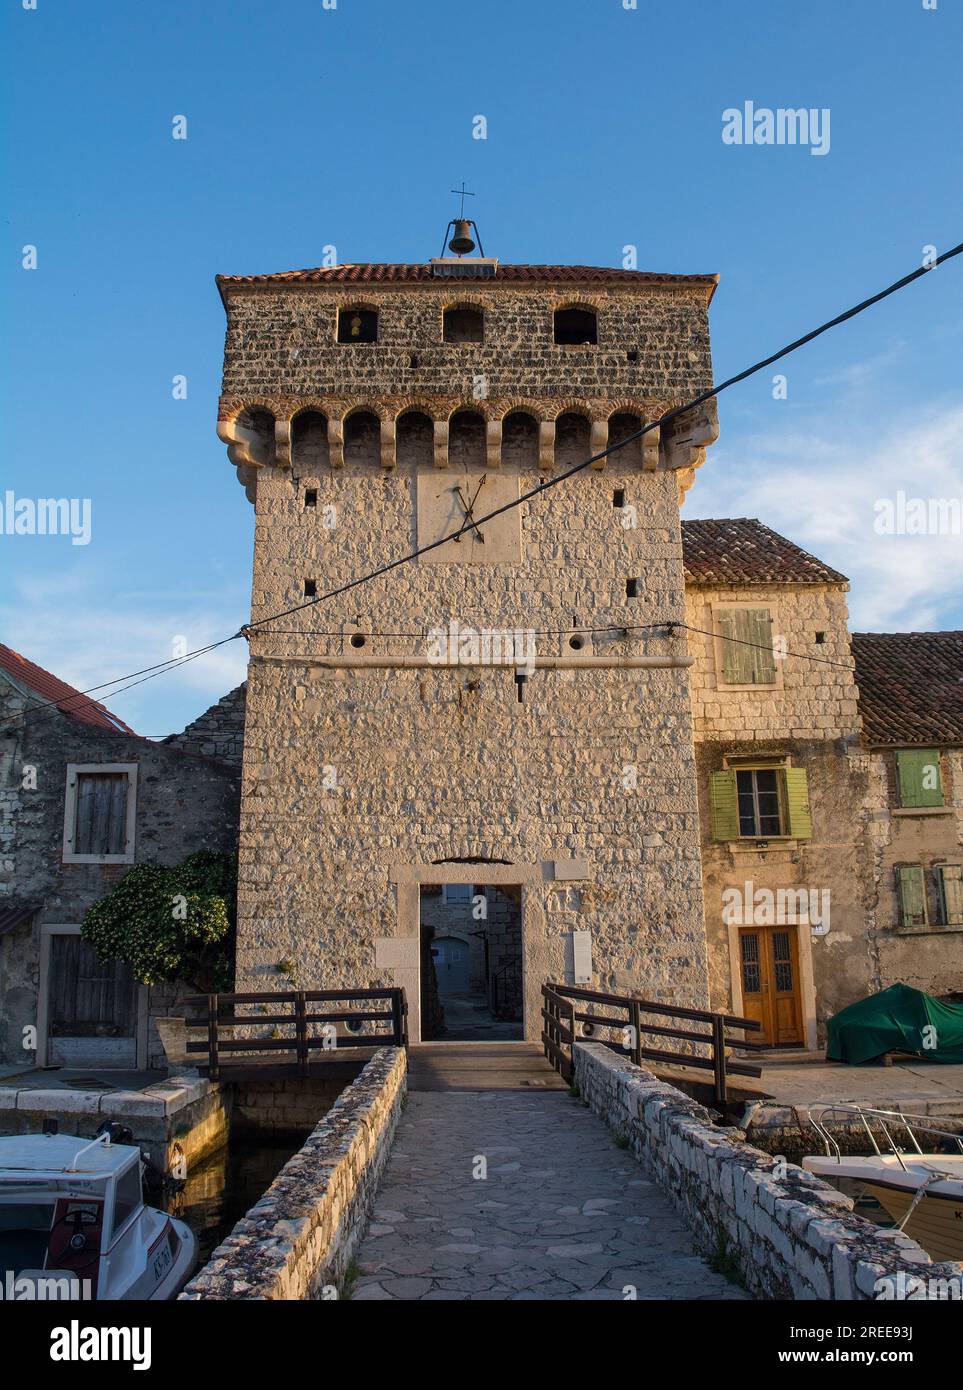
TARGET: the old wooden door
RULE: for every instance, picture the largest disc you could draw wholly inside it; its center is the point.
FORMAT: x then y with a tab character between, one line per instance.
769	962
451	964
92	1007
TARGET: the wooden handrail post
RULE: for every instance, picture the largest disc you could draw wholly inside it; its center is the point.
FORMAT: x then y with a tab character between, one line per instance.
635	1023
301	1031
212	1062
571	1046
719	1058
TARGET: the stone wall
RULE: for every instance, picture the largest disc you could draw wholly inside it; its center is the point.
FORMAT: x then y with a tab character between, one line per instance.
790	1237
298	1240
218	732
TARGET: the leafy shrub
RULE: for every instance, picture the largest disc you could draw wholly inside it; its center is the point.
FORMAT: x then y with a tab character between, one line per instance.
171	924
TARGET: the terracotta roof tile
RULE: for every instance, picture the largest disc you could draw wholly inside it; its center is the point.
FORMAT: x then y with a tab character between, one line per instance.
740	550
910	686
50	690
390	273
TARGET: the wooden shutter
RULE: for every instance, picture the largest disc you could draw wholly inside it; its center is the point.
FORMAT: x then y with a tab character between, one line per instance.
797	803
724	805
912	895
918	775
101	824
949	880
747	656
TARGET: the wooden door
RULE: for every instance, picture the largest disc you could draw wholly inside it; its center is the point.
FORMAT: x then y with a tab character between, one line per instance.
451	964
92	1007
769	963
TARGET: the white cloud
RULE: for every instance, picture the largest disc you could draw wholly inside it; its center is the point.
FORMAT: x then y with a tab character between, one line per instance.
821	491
63	628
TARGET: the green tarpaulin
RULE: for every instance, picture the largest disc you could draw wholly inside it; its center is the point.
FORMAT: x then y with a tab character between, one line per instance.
898	1019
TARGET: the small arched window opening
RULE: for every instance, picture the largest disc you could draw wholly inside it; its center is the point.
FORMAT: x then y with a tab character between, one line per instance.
621	426
520	440
573	435
309	442
357	326
574	327
464	324
466	440
415	440
362	438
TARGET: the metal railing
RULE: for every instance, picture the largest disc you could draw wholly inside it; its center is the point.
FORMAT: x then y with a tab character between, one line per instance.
297	1012
562	1018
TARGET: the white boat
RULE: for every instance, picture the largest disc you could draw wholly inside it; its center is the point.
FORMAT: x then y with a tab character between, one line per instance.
73	1223
922	1193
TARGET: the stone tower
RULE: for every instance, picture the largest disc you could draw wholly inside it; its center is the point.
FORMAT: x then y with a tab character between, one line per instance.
370	409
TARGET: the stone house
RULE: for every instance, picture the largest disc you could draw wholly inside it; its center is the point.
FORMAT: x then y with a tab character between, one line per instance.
83	799
911	702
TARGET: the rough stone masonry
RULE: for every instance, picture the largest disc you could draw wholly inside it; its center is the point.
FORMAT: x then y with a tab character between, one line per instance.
368	769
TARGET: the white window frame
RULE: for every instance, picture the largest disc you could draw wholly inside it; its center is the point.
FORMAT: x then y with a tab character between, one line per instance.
74	771
718	642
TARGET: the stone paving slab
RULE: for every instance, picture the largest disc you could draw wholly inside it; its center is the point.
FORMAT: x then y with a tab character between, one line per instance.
503	1195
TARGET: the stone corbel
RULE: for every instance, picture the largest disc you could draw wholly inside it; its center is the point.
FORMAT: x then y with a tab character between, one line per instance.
493	443
598	440
245	450
441	443
282	443
685	439
336	442
546	445
389	456
650	450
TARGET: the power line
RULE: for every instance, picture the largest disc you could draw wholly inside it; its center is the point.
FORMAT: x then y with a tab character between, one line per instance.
544	486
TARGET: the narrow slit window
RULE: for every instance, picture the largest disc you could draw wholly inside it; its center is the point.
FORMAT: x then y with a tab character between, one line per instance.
631	588
310	588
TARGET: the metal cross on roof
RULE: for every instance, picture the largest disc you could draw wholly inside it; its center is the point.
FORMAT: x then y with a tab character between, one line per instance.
463	193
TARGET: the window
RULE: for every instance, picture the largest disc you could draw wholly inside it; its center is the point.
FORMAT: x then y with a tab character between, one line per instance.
99	813
576	327
760	803
457	894
357	326
744	652
911	886
128	1197
918	778
949	891
463	325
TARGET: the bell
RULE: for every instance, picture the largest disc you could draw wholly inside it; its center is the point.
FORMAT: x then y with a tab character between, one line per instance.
461	243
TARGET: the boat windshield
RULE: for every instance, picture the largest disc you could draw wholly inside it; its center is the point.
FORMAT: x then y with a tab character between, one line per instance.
24	1234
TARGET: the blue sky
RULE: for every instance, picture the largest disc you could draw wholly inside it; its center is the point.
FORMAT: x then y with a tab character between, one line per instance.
310	126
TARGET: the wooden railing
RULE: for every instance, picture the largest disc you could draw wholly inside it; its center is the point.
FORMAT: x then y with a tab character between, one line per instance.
562	1017
229	1036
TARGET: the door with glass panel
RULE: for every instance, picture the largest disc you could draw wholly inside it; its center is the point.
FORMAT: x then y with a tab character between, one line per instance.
769	964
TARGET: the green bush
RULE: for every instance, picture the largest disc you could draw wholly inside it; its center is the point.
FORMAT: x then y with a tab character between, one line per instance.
171	924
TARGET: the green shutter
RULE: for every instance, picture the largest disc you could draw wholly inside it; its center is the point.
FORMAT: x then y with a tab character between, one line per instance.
912	895
747	655
949	879
797	803
918	775
724	805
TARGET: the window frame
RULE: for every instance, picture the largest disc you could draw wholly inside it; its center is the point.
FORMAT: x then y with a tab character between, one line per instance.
719	641
355	308
779	768
71	799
